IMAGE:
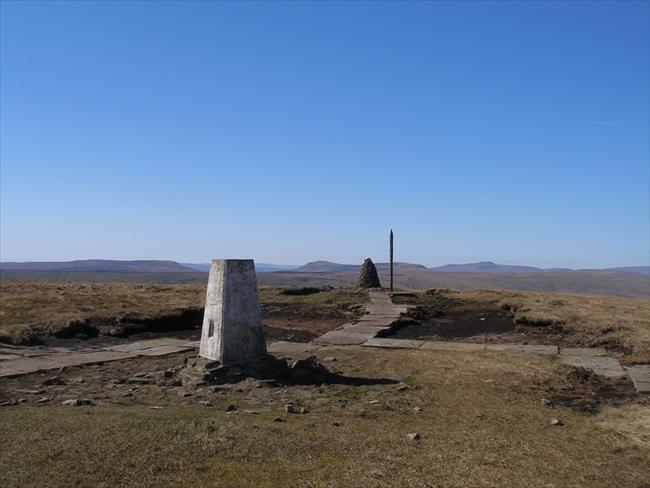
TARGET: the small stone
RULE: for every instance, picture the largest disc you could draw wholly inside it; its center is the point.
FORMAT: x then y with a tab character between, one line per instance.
402	387
205	403
414	436
336	424
231	408
8	403
546	401
118	381
76	402
374	402
556	422
417	410
155	407
22	400
304	410
43	400
331	360
278	419
78	379
289	408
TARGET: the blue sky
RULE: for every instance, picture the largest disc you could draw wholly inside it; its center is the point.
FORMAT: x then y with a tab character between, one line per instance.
287	132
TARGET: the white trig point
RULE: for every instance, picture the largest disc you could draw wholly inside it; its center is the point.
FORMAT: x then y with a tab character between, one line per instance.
232	322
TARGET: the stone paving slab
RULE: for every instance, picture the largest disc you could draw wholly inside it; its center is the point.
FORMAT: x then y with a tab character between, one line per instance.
583	351
393	343
366	329
342	338
522	349
143	345
162	350
4	357
593	360
452	346
640	375
33	364
285	347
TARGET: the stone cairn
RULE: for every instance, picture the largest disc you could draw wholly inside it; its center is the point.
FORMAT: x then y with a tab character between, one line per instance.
369	277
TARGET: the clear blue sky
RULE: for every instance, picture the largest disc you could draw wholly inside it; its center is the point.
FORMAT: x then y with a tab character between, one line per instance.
287	132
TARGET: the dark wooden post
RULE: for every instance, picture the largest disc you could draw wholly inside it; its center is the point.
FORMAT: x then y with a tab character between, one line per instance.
391	260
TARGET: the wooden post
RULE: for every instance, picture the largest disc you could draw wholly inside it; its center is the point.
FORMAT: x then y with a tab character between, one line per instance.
391	260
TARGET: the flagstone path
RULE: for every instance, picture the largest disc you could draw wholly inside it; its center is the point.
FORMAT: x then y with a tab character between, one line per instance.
368	331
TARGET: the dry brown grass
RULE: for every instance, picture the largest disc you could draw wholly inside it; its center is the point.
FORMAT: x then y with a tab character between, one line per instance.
29	308
482	424
34	308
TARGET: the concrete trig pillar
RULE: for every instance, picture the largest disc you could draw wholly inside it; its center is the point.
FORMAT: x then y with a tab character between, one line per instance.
232	322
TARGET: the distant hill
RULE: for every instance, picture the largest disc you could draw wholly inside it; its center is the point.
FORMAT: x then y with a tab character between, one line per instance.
329	267
632	269
485	267
99	266
259	267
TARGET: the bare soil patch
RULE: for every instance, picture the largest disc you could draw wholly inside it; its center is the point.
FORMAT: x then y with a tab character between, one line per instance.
622	326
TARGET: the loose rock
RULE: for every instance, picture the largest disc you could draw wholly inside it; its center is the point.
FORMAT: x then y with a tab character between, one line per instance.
76	402
556	422
414	436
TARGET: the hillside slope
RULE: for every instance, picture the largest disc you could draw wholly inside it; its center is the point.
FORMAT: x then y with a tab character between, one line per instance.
99	266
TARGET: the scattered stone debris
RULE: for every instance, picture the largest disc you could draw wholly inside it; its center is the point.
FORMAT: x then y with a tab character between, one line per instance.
556	422
304	410
546	402
414	436
417	410
205	403
368	278
43	400
77	402
267	371
374	402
